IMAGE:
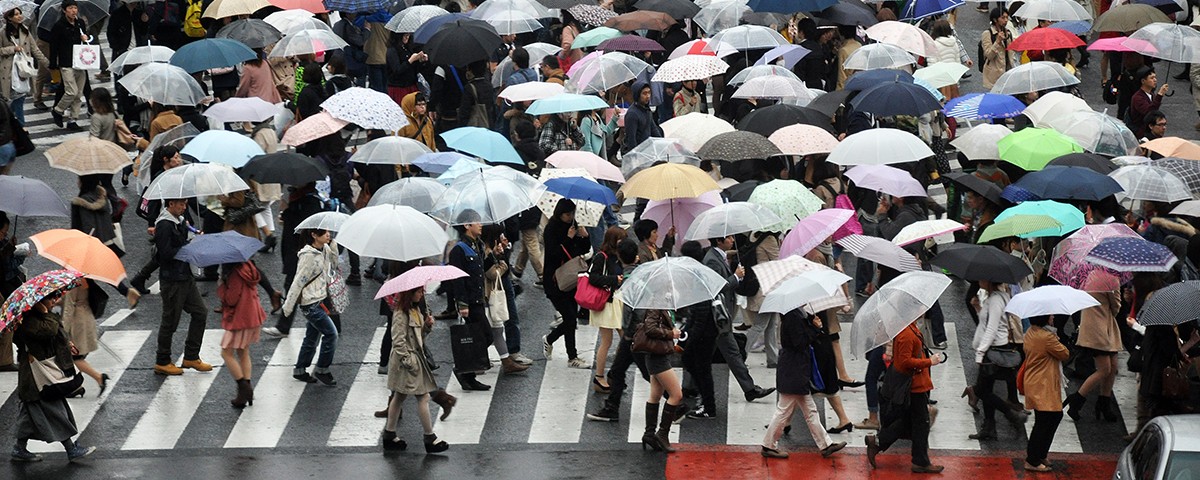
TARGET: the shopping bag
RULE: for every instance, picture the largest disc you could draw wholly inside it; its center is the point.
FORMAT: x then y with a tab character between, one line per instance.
469	347
85	57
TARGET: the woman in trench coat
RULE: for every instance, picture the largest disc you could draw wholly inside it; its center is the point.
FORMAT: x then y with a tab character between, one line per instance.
408	370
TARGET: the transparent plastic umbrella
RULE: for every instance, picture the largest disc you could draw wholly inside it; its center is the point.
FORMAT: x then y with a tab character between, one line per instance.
530	7
1053	10
1053	106
1147	182
879	146
731	219
746	37
306	42
537	51
655	150
757	71
486	196
286	19
417	192
979	143
1097	133
331	221
1034	77
195	180
718	16
176	137
1186	170
409	19
140	55
1168	41
670	283
309	23
389	151
241	109
511	22
891	309
608	71
163	84
393	232
878	55
776	87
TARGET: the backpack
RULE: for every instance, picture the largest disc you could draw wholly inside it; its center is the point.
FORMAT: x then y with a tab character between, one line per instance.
479	115
191	20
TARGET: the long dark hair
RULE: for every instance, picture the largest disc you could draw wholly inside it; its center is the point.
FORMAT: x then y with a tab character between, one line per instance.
102	101
13	29
159	160
88	183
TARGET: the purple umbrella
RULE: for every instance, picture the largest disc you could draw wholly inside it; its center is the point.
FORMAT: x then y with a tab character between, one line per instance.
812	230
890	180
630	43
679	212
791	55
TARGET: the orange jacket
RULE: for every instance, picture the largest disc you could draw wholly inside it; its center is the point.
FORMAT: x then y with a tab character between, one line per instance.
908	354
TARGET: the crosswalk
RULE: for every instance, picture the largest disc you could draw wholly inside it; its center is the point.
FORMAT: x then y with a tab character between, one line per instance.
40	123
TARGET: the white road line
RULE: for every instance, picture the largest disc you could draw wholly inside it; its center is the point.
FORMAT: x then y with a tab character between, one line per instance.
356	424
465	425
8	385
639	394
1125	393
275	397
744	420
116	318
562	398
178	398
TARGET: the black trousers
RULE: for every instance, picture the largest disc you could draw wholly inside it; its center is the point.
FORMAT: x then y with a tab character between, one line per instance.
178	297
569	310
1040	437
985	384
915	424
697	359
618	370
213	223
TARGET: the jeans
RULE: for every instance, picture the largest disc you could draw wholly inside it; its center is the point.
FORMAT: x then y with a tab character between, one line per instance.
8	153
915	423
179	297
875	368
18	109
377	78
766	328
697	359
569	310
319	325
512	326
1040	437
785	407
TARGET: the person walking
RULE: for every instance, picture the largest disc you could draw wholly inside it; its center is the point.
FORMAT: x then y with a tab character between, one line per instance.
624	357
909	357
1043	384
1100	336
241	317
606	272
178	291
658	334
798	332
16	39
302	202
79	322
563	240
997	358
469	297
92	213
716	259
70	30
408	370
495	268
309	289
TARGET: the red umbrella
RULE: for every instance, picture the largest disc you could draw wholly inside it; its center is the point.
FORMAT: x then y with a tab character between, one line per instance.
1045	39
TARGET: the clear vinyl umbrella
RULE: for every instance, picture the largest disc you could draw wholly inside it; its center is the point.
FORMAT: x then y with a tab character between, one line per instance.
195	180
757	71
1097	133
891	309
608	71
417	192
1168	41
878	55
306	42
411	18
331	221
746	37
1147	182
511	22
393	232
140	55
656	150
1034	77
164	84
779	87
718	16
670	283
530	7
175	137
389	150
537	51
1053	10
731	219
487	196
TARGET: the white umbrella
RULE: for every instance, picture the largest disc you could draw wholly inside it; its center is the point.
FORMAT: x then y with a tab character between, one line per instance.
305	42
331	221
393	232
879	146
1053	10
757	71
1189	208
530	91
1147	182
690	67
411	18
746	37
164	84
140	55
802	139
693	47
803	289
1049	300
893	308
487	196
721	15
1034	77
942	74
389	150
904	35
417	192
1052	106
979	143
366	108
775	87
670	283
510	22
878	55
924	229
195	180
286	19
731	219
695	129
241	109
1097	133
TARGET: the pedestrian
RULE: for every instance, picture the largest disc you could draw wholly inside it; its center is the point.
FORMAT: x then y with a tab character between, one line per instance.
165	158
92	213
408	370
309	289
165	119
308	103
40	337
1155	126
79	322
624	357
404	63
495	268
563	239
761	247
606	273
950	50
1163	346
470	301
997	358
420	125
793	378
1145	100
102	123
653	343
257	80
178	289
1099	336
597	132
303	202
241	317
11	277
478	107
639	122
560	133
994	44
646	231
701	320
17	39
551	72
687	100
909	357
1043	383
68	31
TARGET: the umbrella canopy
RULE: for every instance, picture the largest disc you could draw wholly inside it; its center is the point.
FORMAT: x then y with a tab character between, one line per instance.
33	291
440	162
717	16
233	8
163	84
1053	10
459	168
81	252
870	78
878	55
896	98
420	193
487	196
893	308
775	87
393	232
1172	305
641	20
241	109
919	9
924	229
510	22
670	283
594	37
803	289
791	55
1087	160
942	74
593	15
731	219
767	120
695	129
483	143
411	18
848	14
1040	39
140	55
312	128
788	199
1168	41
252	32
904	35
389	151
1033	148
879	146
675	8
1051	300
1018	226
88	155
195	180
530	7
738	145
759	71
803	140
1034	77
331	221
880	251
176	136
1098	133
982	262
305	42
426	31
91	11
813	230
700	47
1174	147
1129	17
30	197
667	181
608	71
566	102
311	6
581	189
983	106
690	67
1186	170
1069	217
1054	105
218	248
366	108
1068	267
790	6
747	37
211	53
981	187
656	150
595	166
222	146
530	91
285	168
536	50
419	277
1127	254
677	214
1115	44
1190	208
890	180
630	43
1147	182
1068	183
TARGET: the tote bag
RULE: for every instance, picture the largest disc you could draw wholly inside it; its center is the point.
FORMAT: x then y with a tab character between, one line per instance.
53	382
497	306
566	276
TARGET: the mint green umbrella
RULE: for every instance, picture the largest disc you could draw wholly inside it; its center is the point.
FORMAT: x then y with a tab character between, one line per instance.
1070	217
1033	148
788	199
594	37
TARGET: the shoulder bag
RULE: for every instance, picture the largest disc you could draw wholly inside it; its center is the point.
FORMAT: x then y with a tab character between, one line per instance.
590	296
339	299
1175	382
653	337
566	276
52	381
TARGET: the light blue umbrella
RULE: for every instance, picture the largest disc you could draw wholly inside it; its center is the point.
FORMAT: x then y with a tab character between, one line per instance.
461	167
217	248
440	162
1070	217
483	143
222	146
209	53
567	102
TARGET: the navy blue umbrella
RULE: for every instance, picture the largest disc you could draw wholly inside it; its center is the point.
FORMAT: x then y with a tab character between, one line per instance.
426	31
790	6
896	98
870	78
1017	194
1131	254
849	14
579	188
1068	183
218	248
209	53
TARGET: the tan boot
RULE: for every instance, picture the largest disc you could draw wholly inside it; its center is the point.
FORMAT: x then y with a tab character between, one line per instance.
508	365
168	369
133	297
197	365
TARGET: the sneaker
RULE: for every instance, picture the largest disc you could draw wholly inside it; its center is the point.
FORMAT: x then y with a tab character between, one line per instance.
521	359
78	451
23	455
547	348
325	378
273	332
940	346
578	363
304	377
382	370
605	415
556	321
702	413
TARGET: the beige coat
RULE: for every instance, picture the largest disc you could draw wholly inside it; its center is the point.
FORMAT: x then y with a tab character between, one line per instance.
1043	371
997	58
408	372
766	251
78	320
1098	328
8	50
848	48
269	141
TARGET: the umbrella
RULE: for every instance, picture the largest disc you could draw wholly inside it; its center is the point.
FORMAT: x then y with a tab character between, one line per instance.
904	35
587	213
812	231
366	108
1147	182
176	136
1033	148
33	291
356	6
983	106
595	166
942	74
93	12
440	162
803	289
305	42
878	55
879	146
925	229
731	219
140	55
670	283
1034	77
893	308
718	16
788	199
739	192
848	14
679	213
890	180
411	18
389	151
982	187
775	87
1051	300
919	9
803	140
1040	39
509	22
609	71
695	129
1019	226
1129	17
593	15
760	71
252	32
195	180
1125	160
211	53
579	188
879	251
767	120
1190	208
417	192
1117	44
459	168
629	43
870	78
791	55
700	47
641	20
536	50
222	146
331	221
529	7
738	145
1068	183
286	168
790	6
81	252
1054	105
163	84
1068	267
656	150
690	67
312	6
747	37
674	8
1128	254
1068	216
1016	195
896	98
30	197
1186	170
285	20
566	102
667	181
1174	147
241	109
218	248
484	143
1173	304
393	232
88	155
530	91
312	128
487	196
1053	10
828	104
1097	132
419	277
1088	160
982	262
594	37
426	31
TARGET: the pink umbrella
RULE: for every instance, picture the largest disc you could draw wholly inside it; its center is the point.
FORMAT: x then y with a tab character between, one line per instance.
890	180
679	212
419	277
582	63
801	139
312	128
812	230
595	166
1121	44
1069	267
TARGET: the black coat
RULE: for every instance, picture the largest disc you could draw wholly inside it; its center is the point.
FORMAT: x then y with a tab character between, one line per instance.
468	290
1160	349
169	238
558	245
299	208
796	335
63	36
604	271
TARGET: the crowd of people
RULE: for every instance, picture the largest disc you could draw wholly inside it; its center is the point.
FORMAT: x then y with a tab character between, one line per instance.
494	253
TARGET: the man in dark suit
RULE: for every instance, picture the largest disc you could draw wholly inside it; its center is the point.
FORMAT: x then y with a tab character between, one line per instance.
716	259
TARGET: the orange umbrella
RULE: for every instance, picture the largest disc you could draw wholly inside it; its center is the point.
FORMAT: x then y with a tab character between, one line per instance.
1174	147
82	252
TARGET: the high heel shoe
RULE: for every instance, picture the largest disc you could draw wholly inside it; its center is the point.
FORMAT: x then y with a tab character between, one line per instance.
851	383
972	399
103	383
1074	404
433	445
848	427
268	244
1106	408
600	387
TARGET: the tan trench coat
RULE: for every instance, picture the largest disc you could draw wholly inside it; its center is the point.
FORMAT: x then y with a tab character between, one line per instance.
408	372
1044	355
1098	328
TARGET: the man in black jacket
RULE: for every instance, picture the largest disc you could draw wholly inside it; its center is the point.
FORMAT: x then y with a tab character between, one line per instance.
639	122
178	291
70	30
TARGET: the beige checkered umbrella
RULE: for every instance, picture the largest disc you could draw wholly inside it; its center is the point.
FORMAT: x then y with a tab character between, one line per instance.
86	155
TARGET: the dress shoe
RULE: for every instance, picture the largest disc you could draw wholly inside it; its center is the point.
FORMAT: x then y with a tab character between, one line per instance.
872	449
851	383
927	469
444	400
605	414
197	365
104	378
759	392
508	365
741	327
848	427
168	369
326	379
268	244
58	119
972	399
832	449
773	453
74	127
446	314
276	301
133	297
304	377
867	424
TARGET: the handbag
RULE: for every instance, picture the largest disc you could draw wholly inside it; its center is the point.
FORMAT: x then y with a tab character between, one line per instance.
97	299
85	57
20	85
1175	382
124	135
1003	357
644	343
336	288
23	64
469	347
52	381
590	296
497	305
815	381
566	276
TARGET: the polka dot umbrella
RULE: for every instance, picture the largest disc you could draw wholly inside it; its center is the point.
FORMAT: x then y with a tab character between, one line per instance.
1128	254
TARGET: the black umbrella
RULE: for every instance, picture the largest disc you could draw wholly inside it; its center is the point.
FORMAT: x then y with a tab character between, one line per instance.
767	120
463	42
737	145
740	192
286	168
848	14
982	262
1092	161
984	188
674	8
896	98
1172	305
828	103
253	32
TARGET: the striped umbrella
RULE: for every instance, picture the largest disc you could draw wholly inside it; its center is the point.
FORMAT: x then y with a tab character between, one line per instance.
1172	305
879	251
984	106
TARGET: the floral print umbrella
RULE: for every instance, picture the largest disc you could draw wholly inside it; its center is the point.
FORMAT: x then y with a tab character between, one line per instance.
1069	267
366	108
33	291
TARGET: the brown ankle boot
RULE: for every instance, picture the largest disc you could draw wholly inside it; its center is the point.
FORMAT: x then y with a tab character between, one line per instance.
508	365
243	397
444	400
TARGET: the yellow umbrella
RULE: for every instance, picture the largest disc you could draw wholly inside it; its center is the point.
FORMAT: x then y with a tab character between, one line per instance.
669	180
88	155
233	8
81	252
